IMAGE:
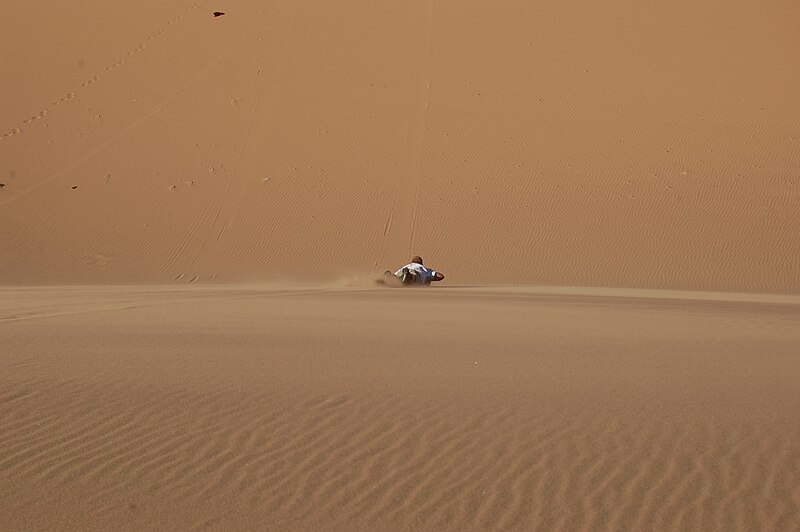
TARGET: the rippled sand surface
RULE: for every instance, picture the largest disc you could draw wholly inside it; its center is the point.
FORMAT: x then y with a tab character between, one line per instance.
363	409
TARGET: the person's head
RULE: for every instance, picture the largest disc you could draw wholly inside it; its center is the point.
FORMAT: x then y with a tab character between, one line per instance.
417	259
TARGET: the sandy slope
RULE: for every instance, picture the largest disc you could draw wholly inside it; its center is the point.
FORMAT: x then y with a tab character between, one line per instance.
601	144
354	409
626	145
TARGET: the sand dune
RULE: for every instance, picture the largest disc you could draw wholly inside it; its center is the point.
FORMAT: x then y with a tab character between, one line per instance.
623	144
193	209
316	409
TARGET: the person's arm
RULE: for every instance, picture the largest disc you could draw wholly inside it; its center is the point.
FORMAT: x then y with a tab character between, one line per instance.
437	276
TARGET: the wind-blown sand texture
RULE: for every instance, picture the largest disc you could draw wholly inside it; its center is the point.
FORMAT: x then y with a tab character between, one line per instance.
365	409
192	208
631	144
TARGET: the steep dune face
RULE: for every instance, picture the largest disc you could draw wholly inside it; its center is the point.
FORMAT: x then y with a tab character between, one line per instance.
614	144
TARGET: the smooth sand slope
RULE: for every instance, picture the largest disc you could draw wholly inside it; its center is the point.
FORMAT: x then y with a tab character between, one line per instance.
622	143
380	409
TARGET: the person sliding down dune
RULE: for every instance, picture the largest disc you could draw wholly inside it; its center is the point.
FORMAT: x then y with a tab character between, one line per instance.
414	273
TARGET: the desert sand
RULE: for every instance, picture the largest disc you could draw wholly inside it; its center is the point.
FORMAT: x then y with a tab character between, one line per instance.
628	144
193	210
363	409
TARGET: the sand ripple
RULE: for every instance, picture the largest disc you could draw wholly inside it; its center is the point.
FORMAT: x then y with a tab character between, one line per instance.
394	462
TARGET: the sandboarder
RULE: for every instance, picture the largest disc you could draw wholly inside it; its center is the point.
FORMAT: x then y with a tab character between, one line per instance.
415	273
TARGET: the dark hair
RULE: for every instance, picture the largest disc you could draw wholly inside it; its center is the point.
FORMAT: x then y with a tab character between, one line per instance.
417	259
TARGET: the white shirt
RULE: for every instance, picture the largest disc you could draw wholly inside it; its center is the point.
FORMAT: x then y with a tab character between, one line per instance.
424	275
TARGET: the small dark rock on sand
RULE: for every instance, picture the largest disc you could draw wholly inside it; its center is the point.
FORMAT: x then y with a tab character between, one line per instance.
218	13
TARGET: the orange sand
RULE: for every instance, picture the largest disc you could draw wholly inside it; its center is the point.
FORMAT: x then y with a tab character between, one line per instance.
628	144
279	157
